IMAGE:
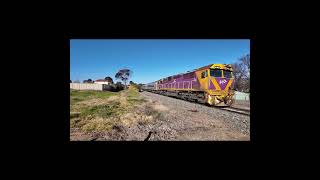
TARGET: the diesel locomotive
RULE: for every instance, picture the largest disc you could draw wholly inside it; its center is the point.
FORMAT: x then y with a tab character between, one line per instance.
212	84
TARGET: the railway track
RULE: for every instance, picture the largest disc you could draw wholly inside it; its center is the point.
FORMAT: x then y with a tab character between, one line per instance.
230	109
237	110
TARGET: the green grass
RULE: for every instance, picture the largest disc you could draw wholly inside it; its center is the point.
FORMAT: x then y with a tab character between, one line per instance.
93	117
97	118
92	94
133	97
132	93
104	111
77	96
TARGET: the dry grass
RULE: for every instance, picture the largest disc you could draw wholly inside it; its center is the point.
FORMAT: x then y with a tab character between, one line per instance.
94	112
160	107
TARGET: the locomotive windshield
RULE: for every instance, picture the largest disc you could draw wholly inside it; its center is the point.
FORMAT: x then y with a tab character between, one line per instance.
227	74
216	72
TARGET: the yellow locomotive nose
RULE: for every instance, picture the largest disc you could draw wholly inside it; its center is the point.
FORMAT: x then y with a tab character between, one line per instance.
223	100
213	100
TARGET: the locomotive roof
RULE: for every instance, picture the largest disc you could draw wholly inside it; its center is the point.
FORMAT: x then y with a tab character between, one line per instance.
204	67
225	66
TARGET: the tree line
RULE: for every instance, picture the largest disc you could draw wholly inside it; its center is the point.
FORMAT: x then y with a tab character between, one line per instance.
123	75
241	72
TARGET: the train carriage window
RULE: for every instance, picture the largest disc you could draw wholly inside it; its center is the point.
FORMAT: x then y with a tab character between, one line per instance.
216	72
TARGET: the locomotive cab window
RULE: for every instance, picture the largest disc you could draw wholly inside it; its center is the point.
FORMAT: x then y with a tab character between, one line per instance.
227	74
204	74
216	72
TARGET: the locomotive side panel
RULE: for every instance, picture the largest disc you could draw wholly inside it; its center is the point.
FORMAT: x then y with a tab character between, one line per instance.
182	82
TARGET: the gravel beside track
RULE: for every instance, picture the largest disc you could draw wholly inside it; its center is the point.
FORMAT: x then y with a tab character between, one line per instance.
191	121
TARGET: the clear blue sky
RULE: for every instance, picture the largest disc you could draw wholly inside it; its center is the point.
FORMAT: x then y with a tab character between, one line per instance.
149	59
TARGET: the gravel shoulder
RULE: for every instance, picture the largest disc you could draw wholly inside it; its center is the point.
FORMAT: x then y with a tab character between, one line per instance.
190	121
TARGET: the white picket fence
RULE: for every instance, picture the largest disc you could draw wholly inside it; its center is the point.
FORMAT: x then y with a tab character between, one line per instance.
87	86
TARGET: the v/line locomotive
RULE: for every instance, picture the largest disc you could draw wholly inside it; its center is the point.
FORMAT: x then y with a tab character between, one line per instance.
212	84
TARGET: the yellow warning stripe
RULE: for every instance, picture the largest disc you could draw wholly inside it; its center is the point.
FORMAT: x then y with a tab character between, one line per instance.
216	85
229	84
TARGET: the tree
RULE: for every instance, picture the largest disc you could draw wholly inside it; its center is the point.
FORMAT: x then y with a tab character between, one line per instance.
119	86
88	81
76	81
70	81
131	82
124	75
109	79
241	72
246	61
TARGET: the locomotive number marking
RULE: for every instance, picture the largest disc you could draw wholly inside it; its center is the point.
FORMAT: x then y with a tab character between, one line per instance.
222	81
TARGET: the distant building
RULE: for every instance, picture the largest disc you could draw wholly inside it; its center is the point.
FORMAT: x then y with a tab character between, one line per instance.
102	81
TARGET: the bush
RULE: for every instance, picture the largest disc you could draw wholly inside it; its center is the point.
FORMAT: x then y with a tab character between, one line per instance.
119	87
113	87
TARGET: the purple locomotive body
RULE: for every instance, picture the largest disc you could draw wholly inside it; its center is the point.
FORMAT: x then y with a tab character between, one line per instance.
212	84
182	81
